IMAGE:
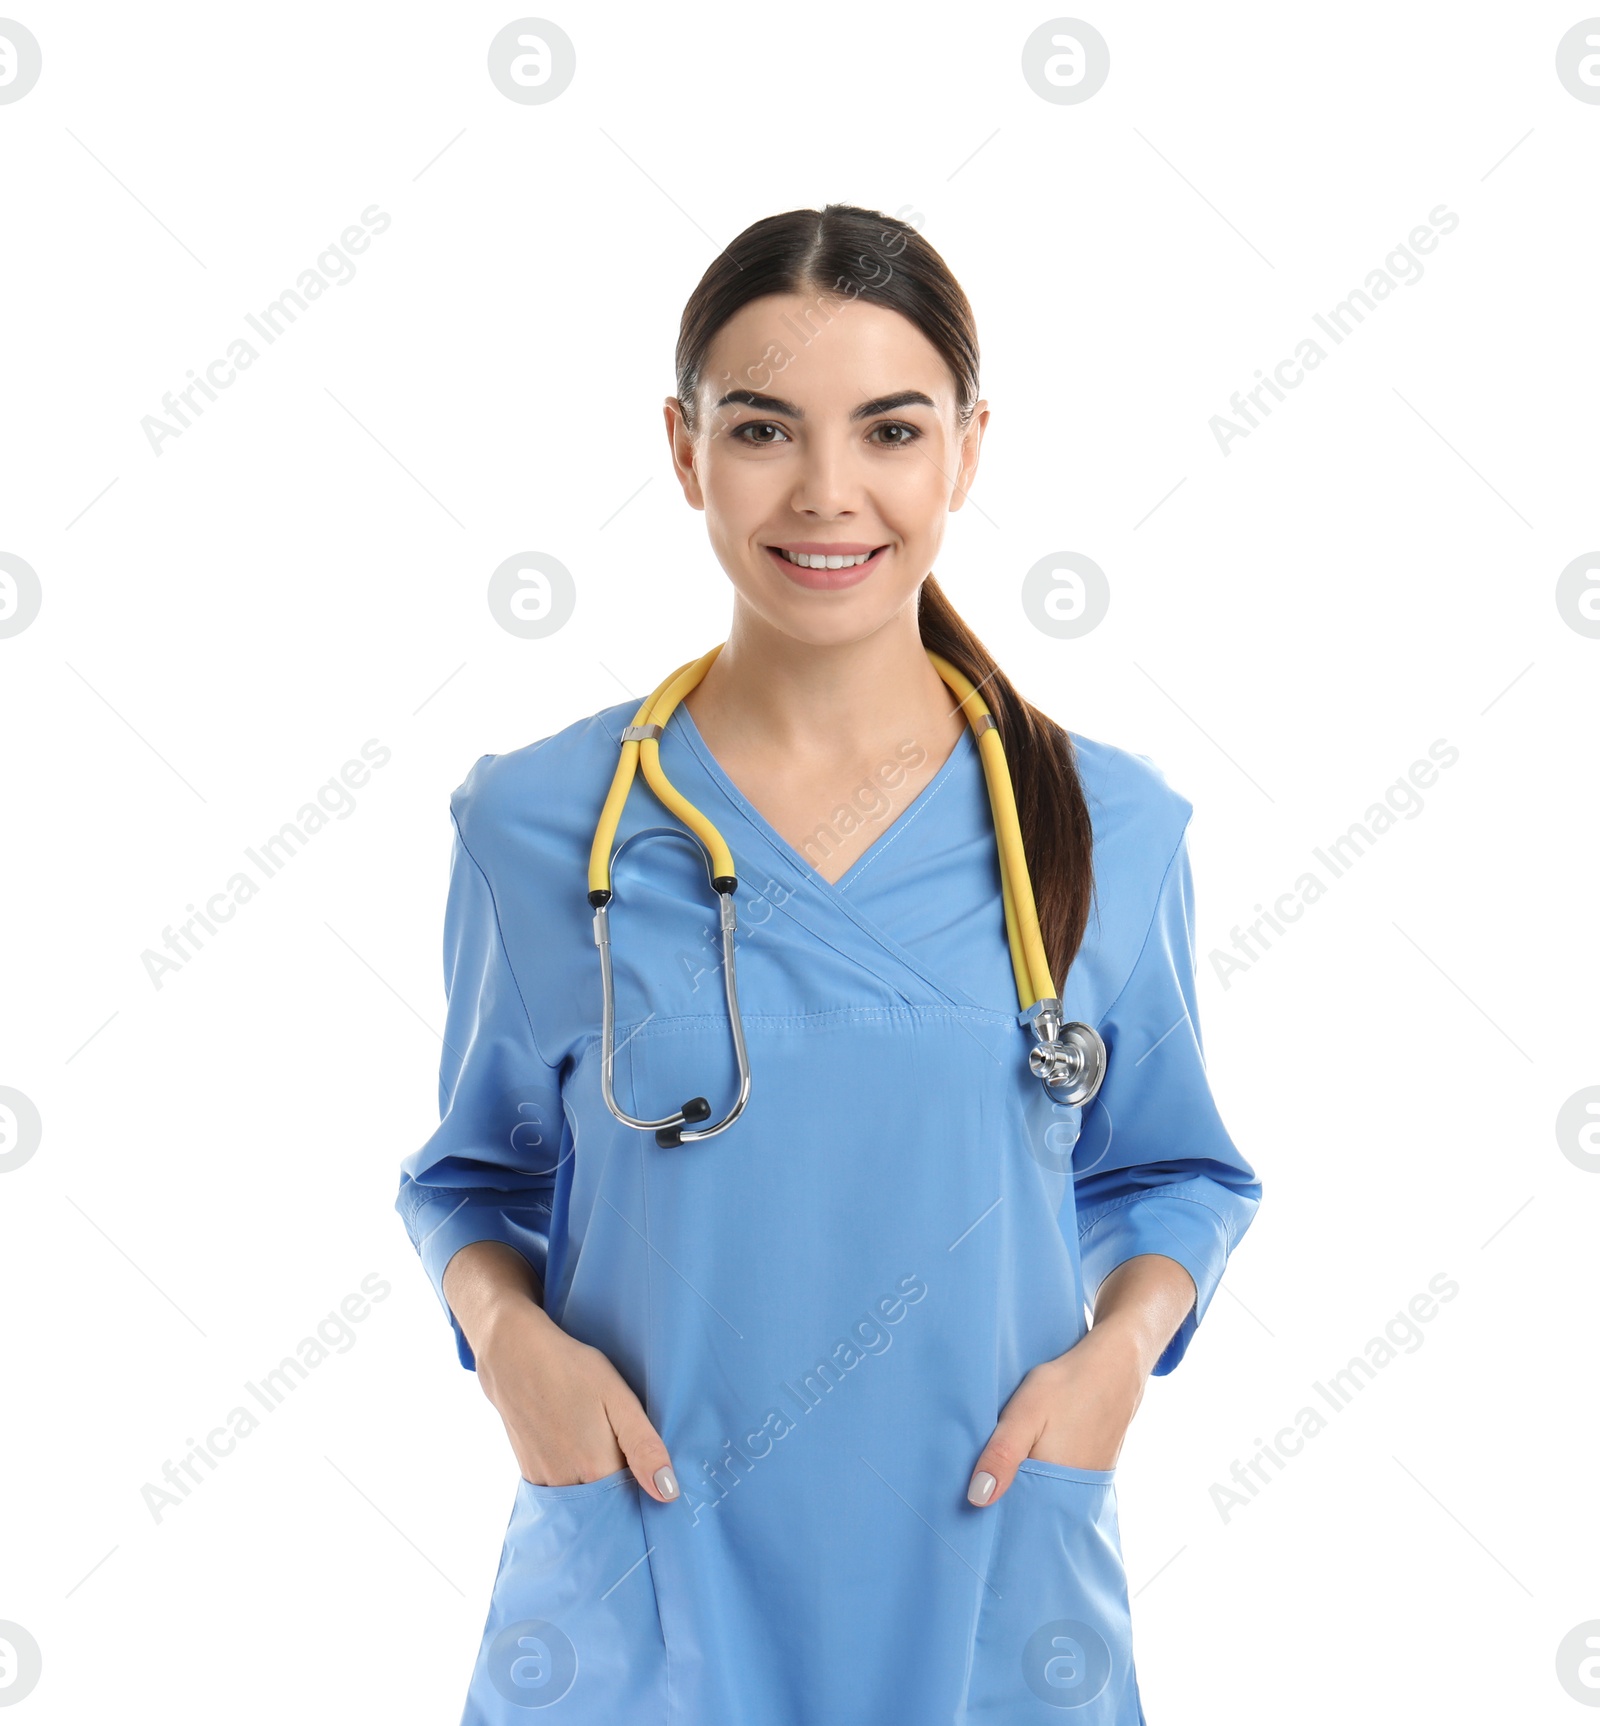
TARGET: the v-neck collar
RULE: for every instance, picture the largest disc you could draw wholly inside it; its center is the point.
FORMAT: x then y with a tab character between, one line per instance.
826	909
838	889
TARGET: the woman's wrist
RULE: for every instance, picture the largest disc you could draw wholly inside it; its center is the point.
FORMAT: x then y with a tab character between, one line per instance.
510	1322
1123	1335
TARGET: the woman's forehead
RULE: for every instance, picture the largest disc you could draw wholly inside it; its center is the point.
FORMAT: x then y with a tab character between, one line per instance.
832	355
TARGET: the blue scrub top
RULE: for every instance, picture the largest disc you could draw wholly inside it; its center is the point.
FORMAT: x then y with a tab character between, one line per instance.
824	1308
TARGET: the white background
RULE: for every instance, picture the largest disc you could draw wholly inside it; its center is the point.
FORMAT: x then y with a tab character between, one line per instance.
225	623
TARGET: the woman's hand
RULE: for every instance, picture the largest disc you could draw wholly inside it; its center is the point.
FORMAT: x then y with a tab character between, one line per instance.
1075	1410
569	1414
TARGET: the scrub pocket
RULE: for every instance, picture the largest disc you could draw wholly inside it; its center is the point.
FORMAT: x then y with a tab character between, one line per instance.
573	1624
1054	1636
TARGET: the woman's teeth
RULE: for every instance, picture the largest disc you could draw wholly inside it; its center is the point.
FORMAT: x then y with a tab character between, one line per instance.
816	560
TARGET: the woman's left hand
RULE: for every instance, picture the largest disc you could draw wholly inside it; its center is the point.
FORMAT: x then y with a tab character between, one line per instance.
1074	1410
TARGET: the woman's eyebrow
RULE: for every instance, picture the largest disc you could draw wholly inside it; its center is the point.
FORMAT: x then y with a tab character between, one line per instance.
867	410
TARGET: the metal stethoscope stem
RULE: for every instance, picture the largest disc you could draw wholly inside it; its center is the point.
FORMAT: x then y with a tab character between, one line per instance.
669	1130
1070	1058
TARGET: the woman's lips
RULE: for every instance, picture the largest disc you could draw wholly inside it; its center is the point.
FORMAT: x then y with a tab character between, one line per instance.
826	578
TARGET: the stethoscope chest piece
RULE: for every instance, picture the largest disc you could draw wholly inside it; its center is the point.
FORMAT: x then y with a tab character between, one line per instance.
1069	1058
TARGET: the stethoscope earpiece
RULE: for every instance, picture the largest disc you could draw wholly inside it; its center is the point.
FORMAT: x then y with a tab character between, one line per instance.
696	1109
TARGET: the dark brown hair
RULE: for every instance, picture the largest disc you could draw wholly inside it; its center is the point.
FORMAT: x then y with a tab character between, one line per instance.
842	252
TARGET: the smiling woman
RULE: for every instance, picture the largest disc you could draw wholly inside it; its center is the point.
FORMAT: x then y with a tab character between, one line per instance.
935	1540
876	404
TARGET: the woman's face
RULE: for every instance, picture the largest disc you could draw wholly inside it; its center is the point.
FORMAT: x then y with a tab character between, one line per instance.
841	445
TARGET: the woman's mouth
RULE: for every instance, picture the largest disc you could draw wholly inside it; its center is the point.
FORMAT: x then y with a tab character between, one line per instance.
817	564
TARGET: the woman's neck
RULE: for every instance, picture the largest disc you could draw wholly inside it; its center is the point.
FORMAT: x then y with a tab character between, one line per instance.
768	696
829	743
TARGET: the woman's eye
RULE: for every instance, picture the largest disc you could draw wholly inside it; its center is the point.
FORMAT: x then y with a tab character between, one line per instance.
758	426
764	433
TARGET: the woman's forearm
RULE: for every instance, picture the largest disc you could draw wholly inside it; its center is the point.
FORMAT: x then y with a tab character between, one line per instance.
1144	1300
484	1281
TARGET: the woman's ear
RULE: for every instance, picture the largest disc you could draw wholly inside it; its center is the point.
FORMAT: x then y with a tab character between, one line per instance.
971	444
681	442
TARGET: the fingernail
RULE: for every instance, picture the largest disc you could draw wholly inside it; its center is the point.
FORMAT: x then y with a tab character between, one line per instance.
982	1485
666	1484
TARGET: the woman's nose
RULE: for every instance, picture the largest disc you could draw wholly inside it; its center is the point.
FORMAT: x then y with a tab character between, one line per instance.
829	482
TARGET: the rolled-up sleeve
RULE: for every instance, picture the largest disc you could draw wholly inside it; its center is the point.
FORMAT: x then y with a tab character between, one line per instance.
1155	1170
489	1171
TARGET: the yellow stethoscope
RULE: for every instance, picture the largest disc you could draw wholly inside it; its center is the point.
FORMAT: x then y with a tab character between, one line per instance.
1069	1058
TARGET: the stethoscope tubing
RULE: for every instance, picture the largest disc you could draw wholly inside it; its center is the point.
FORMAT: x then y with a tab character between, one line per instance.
1069	1058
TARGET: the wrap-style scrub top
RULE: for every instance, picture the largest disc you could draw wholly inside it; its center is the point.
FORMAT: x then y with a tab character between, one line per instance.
824	1308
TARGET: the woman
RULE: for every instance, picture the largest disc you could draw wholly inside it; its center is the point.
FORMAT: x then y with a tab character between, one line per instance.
810	1425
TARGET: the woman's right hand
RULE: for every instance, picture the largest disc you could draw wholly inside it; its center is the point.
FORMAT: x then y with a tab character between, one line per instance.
569	1414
